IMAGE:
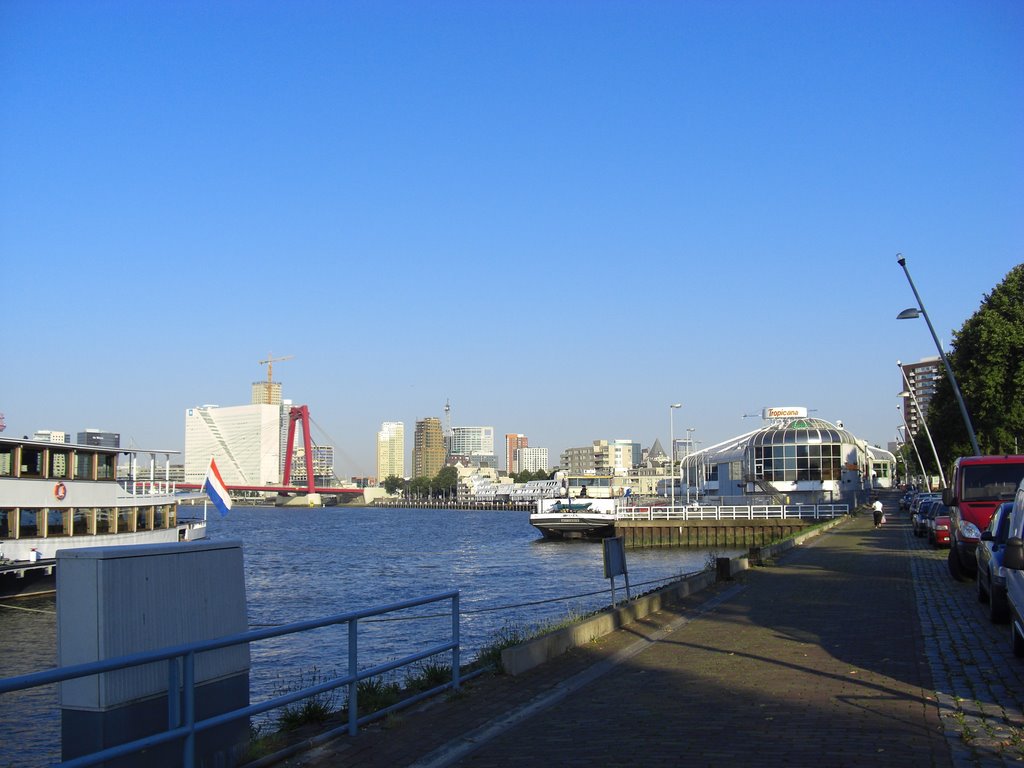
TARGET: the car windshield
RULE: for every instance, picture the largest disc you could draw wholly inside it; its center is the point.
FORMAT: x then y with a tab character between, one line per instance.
991	482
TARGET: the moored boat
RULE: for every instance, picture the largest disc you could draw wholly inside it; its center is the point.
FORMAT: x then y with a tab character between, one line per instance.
56	496
574	519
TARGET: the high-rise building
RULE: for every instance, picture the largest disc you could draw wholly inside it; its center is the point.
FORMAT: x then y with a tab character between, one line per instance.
513	442
531	459
266	393
244	440
923	377
428	447
100	438
323	466
469	441
391	450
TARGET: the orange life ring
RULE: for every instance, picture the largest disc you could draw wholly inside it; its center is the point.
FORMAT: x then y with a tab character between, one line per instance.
60	491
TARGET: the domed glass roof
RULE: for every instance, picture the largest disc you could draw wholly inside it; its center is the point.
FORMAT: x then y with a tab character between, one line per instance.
801	431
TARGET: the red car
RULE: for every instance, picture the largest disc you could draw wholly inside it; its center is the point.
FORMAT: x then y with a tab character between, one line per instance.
938	525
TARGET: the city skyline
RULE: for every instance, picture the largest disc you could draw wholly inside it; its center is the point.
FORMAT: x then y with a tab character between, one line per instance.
694	203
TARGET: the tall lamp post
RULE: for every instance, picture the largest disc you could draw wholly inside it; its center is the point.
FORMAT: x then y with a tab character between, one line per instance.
689	450
908	314
672	451
913	442
920	414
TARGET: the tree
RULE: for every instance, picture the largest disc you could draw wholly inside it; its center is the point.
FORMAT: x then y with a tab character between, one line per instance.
393	484
987	358
446	482
419	487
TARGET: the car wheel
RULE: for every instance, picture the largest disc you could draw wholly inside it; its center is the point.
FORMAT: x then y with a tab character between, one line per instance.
998	612
1016	641
955	569
983	596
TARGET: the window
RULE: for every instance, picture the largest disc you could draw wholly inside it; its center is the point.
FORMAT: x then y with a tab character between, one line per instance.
6	461
28	525
31	462
6	521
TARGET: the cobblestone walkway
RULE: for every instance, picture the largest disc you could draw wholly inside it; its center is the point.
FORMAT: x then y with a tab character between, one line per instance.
856	649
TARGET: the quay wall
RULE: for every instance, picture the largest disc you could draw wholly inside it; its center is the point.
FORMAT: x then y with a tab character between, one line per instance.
520	658
706	534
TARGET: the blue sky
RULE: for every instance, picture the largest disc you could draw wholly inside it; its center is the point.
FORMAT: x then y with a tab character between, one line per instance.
560	216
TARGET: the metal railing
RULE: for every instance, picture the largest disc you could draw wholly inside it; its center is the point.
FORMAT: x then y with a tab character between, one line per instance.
752	512
181	684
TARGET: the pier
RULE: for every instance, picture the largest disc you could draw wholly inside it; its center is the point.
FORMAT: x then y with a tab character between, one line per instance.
821	658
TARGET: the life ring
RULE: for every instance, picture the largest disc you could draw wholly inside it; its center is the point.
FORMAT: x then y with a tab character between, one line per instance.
60	491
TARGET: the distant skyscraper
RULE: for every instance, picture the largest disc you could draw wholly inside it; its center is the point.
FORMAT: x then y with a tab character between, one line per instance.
513	442
266	393
428	447
100	438
390	450
470	441
923	377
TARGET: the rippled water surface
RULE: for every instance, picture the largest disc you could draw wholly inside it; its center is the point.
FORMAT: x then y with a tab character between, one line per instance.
308	563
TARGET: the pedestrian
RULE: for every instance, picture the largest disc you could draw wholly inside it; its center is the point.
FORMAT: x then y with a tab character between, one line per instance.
876	512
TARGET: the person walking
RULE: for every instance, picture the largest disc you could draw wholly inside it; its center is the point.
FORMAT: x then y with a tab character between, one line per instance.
876	512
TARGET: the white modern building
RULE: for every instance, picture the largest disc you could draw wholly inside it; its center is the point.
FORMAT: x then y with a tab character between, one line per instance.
531	459
473	446
244	440
391	450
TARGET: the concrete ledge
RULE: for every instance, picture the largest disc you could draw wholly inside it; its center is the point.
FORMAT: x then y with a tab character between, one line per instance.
520	658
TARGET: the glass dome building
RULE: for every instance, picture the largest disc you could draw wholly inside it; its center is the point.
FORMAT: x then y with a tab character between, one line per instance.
793	460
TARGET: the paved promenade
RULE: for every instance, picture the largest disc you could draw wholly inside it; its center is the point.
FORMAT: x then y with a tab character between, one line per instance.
856	649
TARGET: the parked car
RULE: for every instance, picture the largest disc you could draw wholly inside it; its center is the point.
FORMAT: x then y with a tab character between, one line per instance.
938	524
905	499
919	499
1013	564
977	486
919	519
989	554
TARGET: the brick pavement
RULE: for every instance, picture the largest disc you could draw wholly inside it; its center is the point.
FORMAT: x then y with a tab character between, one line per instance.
820	659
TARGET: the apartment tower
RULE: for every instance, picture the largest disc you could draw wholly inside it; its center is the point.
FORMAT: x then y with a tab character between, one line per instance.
512	444
390	450
428	447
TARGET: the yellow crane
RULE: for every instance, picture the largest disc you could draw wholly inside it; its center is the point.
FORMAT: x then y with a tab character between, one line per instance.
269	362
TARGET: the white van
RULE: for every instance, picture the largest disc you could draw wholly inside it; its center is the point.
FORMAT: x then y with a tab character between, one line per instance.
1013	562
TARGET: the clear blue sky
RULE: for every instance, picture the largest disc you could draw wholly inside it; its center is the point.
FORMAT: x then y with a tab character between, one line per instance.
561	216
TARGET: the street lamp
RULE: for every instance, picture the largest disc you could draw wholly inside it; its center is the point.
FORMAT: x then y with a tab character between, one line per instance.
909	391
689	448
672	451
913	442
912	312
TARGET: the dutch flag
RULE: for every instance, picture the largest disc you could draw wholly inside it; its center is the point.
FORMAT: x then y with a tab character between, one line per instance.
216	490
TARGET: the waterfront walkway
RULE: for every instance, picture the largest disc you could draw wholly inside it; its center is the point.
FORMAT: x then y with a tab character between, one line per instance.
855	649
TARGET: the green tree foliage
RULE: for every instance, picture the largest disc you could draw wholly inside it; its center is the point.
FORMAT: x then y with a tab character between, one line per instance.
393	484
987	357
419	487
446	482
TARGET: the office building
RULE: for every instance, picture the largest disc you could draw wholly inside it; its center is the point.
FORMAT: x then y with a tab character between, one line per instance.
428	452
513	442
244	440
100	438
266	393
51	436
391	450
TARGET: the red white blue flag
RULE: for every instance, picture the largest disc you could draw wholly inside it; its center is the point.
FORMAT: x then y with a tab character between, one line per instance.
216	490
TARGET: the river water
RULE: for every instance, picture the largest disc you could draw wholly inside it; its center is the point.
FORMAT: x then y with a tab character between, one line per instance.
309	563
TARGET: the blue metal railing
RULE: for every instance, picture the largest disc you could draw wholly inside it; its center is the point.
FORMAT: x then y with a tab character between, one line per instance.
181	719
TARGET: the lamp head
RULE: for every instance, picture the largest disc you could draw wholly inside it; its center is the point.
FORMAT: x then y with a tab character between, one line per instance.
676	405
909	314
900	260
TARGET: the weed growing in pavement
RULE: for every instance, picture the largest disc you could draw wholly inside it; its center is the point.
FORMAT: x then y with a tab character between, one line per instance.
511	634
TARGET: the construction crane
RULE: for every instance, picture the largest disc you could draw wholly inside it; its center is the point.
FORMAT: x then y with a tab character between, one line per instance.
269	362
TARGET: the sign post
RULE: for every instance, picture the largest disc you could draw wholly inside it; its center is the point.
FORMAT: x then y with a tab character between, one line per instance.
615	563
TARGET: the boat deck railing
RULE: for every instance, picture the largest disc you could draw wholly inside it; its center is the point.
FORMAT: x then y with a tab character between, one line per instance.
751	512
182	725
